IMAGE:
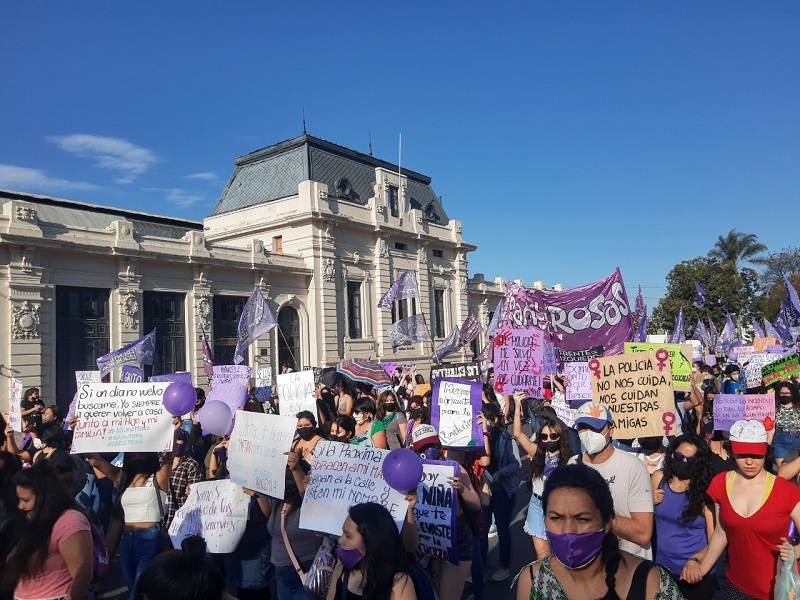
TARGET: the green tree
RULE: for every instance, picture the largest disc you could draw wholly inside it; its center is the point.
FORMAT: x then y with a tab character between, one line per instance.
778	265
772	299
737	249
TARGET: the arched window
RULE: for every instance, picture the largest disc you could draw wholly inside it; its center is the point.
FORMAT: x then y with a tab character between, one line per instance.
288	338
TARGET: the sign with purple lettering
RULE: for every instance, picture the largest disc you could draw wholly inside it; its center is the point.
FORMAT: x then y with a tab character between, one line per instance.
549	357
436	509
579	386
518	361
729	408
597	314
456	404
228	373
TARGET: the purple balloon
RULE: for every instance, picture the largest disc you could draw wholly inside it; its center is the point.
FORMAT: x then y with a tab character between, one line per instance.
179	398
402	470
216	417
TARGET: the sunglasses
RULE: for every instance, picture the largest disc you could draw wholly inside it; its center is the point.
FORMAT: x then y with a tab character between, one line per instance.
687	459
549	436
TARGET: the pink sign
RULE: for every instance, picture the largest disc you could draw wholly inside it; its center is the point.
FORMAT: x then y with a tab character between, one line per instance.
518	361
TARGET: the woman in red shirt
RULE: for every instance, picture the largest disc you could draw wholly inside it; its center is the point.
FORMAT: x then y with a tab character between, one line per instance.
754	509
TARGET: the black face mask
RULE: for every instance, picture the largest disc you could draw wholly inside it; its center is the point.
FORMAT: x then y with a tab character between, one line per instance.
340	438
785	400
390	407
682	470
305	433
415	413
650	446
551	446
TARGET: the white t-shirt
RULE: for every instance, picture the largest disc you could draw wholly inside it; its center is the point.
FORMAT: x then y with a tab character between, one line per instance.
629	482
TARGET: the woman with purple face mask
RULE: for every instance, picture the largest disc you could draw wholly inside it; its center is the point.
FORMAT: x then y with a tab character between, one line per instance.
586	562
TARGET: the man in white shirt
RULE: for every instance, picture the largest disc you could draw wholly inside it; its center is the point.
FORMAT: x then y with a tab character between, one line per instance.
627	478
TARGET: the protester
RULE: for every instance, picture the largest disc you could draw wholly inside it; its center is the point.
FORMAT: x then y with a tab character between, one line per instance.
48	553
730	382
390	413
218	459
31	407
307	435
787	420
651	452
755	509
10	465
344	399
418	414
343	429
684	515
372	559
627	478
185	472
369	431
185	574
579	512
420	387
248	567
326	409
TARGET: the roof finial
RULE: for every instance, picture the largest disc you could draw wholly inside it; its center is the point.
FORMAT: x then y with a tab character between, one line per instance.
370	141
304	120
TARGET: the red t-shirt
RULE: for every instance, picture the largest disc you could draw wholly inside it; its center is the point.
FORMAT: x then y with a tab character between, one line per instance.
753	541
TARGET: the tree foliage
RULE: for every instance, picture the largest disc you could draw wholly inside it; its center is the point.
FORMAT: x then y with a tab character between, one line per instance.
778	265
736	249
773	298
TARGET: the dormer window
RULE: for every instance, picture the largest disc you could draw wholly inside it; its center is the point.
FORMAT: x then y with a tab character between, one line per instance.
394	204
343	187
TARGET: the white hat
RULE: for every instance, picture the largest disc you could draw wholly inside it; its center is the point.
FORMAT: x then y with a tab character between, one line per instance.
748	437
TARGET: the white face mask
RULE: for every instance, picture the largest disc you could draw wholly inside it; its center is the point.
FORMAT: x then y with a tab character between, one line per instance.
359	418
593	442
38	444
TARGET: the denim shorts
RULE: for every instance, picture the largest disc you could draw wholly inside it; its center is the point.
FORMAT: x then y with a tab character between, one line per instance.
783	442
534	522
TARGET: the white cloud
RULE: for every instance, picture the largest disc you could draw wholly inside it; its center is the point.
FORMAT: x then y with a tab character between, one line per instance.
114	154
206	176
27	179
182	199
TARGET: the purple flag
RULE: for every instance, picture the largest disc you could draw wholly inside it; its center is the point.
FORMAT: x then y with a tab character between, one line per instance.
470	329
136	354
769	330
701	296
131	374
208	357
597	314
640	307
448	346
728	334
410	330
641	332
404	287
701	334
256	320
759	333
793	306
486	353
497	319
713	334
781	322
678	331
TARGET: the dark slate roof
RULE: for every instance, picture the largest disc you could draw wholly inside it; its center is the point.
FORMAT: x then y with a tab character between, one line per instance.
274	172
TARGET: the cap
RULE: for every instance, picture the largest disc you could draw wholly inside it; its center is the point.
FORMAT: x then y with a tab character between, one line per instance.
748	437
422	436
594	415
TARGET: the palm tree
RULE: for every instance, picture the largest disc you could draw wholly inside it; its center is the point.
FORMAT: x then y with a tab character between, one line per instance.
737	248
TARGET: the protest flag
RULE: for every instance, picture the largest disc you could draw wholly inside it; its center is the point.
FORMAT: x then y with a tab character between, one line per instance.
702	335
794	304
769	330
410	330
678	331
497	319
641	332
486	354
448	346
758	332
208	357
405	286
256	320
728	334
781	323
470	329
701	296
640	306
713	334
138	353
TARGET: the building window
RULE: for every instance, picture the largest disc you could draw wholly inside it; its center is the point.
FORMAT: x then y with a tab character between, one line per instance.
288	339
438	313
227	311
354	310
394	204
82	332
473	346
164	312
277	244
400	246
437	253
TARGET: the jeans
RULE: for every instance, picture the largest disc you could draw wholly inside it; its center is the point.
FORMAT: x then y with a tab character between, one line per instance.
478	568
289	585
137	550
500	506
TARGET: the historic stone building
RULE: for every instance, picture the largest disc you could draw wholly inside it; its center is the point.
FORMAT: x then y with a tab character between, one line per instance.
321	229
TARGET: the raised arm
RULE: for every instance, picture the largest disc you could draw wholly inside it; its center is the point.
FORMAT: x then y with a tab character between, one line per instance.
527	445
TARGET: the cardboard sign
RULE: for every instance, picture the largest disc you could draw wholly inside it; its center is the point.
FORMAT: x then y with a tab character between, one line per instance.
232	393
579	388
680	361
436	509
172	378
563	411
257	451
550	365
751	371
296	392
15	405
263	384
132	375
122	417
230	373
343	475
456	404
780	369
580	355
215	510
637	389
729	408
518	361
760	344
82	377
466	371
744	352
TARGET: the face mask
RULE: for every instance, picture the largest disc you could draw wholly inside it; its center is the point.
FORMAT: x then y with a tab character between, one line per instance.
682	470
38	444
415	413
339	438
650	446
390	407
305	433
576	550
552	446
593	442
785	400
359	418
350	557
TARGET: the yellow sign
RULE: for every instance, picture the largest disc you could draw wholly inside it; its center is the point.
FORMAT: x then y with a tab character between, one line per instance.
680	361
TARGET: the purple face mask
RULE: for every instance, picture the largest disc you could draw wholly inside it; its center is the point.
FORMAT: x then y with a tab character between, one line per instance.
350	557
576	550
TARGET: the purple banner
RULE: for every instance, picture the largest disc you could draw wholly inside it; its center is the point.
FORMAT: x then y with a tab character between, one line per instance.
131	375
456	404
185	377
597	314
470	329
410	330
136	354
405	286
448	346
256	320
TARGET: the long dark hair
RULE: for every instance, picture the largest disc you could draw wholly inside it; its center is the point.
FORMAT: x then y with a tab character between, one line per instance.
185	574
792	388
385	555
703	472
133	464
33	532
564	450
582	477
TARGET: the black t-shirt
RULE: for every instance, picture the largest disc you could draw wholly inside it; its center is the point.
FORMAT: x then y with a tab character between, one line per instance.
29	404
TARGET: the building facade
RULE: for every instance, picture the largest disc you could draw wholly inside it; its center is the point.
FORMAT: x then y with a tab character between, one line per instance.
322	230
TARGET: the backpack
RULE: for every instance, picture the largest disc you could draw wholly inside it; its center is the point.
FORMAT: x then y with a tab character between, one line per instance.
422	584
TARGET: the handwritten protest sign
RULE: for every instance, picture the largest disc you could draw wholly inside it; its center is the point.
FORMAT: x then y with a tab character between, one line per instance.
263	384
637	389
710	360
780	369
729	408
230	373
467	371
751	371
550	365
743	352
82	377
317	374
15	405
680	361
518	361
122	417
132	374
257	451
343	475
579	389
183	376
215	510
456	404
296	392
436	509
760	344
389	367
232	393
563	410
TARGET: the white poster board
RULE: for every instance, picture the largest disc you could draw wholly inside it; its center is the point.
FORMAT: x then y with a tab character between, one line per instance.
257	451
436	509
455	413
296	392
579	388
82	377
15	405
263	384
122	417
230	373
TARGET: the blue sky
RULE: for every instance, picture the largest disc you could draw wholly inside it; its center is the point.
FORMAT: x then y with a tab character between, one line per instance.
569	137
